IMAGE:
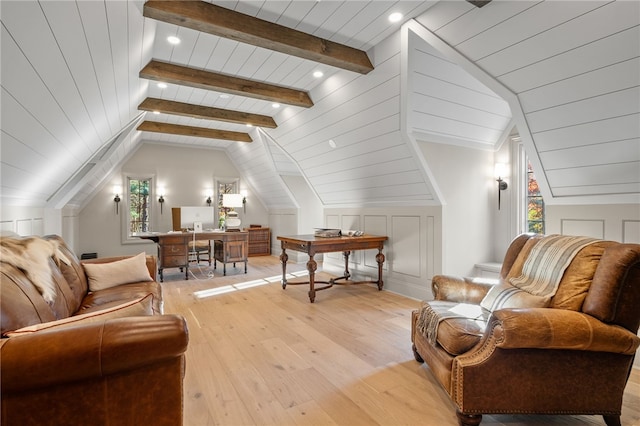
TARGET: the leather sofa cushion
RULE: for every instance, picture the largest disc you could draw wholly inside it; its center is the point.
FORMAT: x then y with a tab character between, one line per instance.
575	282
516	268
138	307
459	327
577	278
100	299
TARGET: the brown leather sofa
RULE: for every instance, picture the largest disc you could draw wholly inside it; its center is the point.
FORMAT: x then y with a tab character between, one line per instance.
97	370
572	356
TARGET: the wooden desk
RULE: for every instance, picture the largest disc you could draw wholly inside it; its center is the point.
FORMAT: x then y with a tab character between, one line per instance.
173	251
312	245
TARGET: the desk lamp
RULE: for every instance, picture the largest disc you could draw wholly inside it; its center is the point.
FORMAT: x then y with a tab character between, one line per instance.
232	221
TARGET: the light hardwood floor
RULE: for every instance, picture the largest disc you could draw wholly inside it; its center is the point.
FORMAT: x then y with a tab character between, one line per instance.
261	355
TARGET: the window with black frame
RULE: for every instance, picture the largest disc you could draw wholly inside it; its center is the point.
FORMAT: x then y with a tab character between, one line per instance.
139	205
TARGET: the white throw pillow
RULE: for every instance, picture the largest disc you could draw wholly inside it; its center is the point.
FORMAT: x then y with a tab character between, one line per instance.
137	307
504	295
107	275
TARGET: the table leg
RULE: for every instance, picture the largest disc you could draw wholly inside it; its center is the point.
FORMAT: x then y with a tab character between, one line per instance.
283	259
346	264
160	273
186	271
311	267
380	260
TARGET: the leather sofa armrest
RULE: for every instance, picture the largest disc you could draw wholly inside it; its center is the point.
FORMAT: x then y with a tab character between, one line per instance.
461	290
546	328
91	351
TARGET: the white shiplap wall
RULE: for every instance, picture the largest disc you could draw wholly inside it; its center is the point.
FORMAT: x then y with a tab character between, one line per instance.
67	89
256	166
449	105
574	66
372	163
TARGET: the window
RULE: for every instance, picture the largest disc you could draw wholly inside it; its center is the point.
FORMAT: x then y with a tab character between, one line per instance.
224	186
530	204
139	214
535	203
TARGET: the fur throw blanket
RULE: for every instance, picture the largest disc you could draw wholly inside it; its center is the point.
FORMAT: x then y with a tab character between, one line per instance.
31	255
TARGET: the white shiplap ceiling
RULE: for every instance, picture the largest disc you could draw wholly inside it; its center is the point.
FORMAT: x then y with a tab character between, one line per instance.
70	86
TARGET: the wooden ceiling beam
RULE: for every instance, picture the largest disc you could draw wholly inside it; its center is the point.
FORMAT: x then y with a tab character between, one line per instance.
216	20
201	79
479	3
205	112
177	129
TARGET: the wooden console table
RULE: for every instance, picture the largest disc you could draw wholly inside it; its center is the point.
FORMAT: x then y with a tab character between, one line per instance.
312	245
173	250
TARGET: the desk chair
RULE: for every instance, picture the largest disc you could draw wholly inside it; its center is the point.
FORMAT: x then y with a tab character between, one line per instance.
200	247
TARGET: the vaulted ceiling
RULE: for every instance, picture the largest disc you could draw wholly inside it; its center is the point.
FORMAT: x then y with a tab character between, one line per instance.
80	92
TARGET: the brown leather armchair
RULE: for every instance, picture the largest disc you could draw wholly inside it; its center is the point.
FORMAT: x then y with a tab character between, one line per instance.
572	356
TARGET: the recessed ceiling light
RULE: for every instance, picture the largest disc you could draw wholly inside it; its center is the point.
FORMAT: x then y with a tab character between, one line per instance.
173	40
395	17
275	105
156	112
224	96
249	125
162	85
318	74
332	143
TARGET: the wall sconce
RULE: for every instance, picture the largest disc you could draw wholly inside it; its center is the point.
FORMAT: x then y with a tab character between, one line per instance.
500	171
116	198
209	194
161	198
244	201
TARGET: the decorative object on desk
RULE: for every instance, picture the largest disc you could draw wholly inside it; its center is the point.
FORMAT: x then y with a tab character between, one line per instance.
116	198
231	201
161	198
500	171
327	232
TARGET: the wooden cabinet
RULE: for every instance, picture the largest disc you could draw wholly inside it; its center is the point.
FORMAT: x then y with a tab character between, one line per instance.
259	241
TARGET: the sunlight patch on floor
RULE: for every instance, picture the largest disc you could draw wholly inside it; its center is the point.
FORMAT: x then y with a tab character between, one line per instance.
210	292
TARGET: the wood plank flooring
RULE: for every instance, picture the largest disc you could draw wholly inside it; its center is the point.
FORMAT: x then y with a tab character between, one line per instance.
261	355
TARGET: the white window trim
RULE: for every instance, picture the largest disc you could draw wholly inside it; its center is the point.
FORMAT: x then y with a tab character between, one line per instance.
520	186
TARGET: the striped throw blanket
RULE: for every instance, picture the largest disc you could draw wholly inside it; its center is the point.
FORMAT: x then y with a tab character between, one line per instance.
543	269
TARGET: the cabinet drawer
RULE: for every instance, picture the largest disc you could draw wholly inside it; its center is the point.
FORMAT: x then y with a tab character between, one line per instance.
258	236
175	250
166	241
173	261
256	249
